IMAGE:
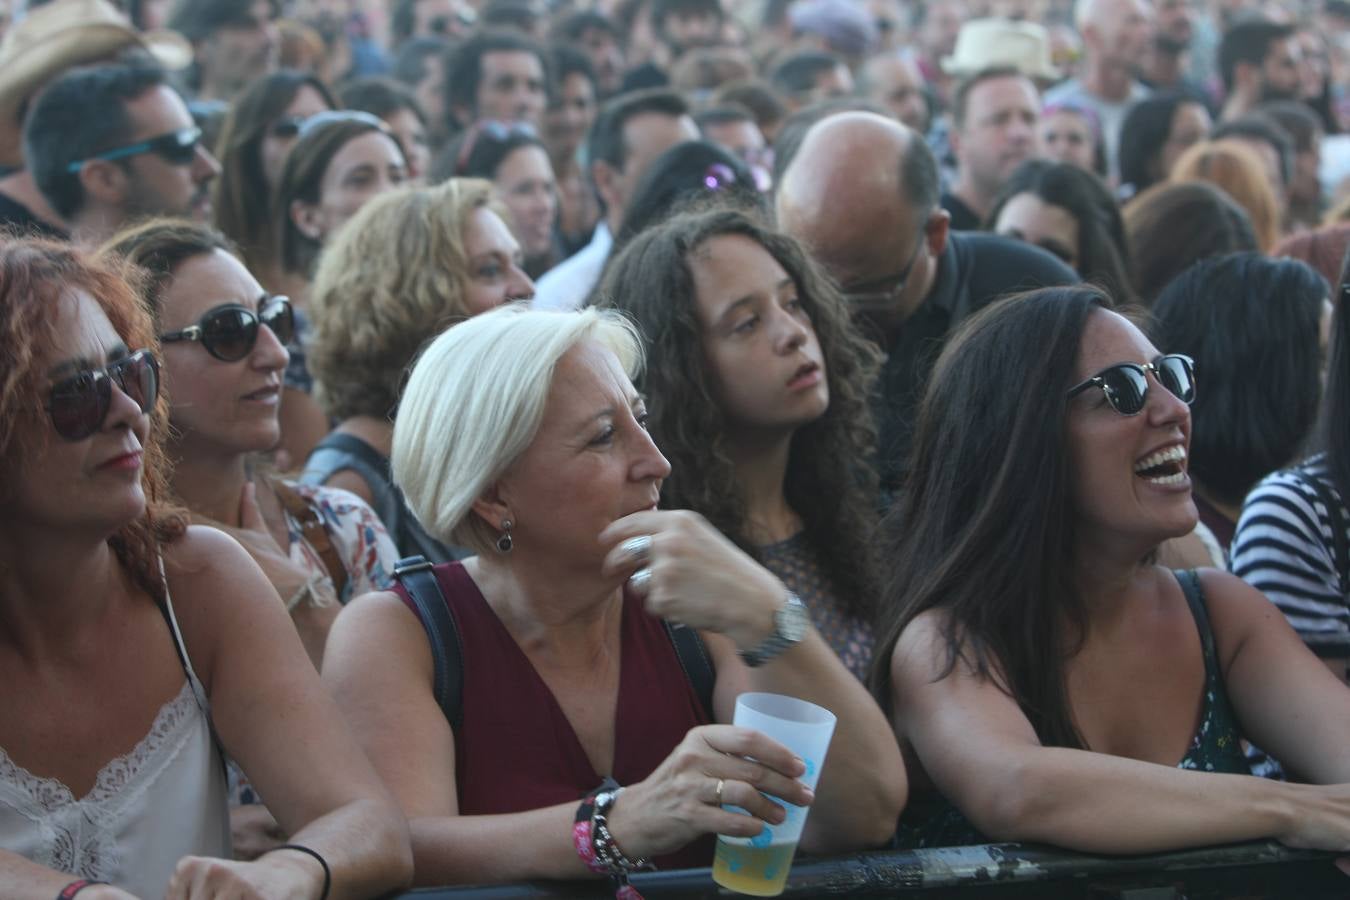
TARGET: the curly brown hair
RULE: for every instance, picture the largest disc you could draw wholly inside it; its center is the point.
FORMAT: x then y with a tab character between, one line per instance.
34	275
831	480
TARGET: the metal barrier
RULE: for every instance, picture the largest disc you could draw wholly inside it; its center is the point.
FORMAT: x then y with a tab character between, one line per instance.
1257	871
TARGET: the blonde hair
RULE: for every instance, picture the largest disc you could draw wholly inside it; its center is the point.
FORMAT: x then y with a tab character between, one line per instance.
1237	171
474	402
390	279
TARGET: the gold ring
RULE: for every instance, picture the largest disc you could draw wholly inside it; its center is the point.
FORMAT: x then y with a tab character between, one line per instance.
720	784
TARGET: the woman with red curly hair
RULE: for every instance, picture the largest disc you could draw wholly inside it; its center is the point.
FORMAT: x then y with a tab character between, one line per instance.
136	650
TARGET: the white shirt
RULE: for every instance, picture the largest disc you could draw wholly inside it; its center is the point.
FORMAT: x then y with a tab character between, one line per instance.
148	809
567	285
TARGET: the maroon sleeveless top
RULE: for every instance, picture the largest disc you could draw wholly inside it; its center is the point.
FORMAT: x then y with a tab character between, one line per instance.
515	749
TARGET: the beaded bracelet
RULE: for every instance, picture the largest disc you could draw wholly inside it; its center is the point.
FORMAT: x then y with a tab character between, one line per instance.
75	887
595	845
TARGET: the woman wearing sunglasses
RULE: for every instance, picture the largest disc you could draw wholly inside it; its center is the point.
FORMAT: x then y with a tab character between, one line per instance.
513	158
224	349
259	131
1049	682
758	388
130	642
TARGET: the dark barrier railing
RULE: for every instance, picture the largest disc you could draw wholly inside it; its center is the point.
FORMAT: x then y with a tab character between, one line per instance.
1256	871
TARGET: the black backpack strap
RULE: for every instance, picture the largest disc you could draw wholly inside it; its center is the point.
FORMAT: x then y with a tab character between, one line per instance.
698	667
447	655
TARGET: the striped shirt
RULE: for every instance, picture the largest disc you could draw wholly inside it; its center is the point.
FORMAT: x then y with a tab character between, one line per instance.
1285	548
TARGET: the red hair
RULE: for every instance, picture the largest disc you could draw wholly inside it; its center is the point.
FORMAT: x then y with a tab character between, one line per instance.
34	275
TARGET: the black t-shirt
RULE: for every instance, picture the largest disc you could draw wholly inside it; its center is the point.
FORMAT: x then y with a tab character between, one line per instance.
963	217
974	270
19	219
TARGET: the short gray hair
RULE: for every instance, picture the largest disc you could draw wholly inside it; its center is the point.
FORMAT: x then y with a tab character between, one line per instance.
474	402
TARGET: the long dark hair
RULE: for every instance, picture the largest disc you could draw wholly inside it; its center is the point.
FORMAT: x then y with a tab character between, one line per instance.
1103	254
243	199
984	528
830	482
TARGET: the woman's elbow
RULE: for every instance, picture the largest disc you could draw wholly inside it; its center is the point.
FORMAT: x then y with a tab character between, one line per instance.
391	843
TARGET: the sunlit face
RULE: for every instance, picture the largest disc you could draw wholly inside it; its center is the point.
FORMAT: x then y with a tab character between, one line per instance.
760	346
157	186
1280	70
236	53
896	84
1068	139
511	87
571	115
591	463
1190	124
220	409
274	147
495	263
524	183
1028	218
1114	497
1124	28
91	485
1001	131
412	136
366	166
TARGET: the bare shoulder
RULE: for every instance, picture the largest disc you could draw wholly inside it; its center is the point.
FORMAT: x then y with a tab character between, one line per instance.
921	655
1239	614
384	611
377	627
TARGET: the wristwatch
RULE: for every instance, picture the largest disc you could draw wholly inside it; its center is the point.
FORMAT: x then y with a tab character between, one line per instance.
790	622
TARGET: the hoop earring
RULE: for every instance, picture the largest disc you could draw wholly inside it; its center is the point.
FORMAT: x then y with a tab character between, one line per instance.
504	543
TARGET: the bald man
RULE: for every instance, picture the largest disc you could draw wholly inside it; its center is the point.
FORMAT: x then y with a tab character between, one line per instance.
862	193
1116	35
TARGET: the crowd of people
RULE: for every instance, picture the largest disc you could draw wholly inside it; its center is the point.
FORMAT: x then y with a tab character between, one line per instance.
422	419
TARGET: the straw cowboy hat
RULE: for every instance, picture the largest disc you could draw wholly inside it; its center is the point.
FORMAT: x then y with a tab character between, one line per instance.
982	43
59	36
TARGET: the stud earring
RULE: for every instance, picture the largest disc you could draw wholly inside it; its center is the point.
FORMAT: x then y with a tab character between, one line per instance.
504	543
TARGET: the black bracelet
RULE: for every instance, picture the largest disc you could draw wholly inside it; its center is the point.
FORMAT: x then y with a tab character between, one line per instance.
75	887
327	873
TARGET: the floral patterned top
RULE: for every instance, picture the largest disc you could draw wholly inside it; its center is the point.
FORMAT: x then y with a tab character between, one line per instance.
797	565
366	551
365	547
932	821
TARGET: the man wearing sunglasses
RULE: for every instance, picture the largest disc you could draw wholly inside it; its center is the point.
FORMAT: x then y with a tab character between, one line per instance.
862	193
111	143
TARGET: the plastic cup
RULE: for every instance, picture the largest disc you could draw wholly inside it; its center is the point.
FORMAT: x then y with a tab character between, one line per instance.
759	865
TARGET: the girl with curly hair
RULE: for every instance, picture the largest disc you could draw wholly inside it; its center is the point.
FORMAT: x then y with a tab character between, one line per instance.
757	385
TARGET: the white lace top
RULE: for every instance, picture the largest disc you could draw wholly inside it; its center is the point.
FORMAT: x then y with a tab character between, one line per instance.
162	801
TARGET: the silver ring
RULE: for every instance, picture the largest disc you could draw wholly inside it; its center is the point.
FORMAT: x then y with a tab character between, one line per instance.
638	549
720	784
640	581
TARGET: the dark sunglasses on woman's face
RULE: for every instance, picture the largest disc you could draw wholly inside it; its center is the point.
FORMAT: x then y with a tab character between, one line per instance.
229	332
79	404
1125	385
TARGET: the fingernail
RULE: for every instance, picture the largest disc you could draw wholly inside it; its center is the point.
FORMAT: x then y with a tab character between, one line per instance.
779	815
810	795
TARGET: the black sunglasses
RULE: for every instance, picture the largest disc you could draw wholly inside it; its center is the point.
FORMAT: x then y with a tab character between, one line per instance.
79	404
177	147
287	126
229	332
1125	385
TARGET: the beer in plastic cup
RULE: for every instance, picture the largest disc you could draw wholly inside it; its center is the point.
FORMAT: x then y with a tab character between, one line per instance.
759	865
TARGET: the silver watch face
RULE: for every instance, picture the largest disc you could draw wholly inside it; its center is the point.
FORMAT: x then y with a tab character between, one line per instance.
792	619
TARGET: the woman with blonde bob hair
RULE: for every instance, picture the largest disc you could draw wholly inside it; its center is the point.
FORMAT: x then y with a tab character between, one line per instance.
1236	170
520	435
415	261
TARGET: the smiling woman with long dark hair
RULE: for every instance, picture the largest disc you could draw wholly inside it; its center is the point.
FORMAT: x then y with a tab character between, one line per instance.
1049	682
